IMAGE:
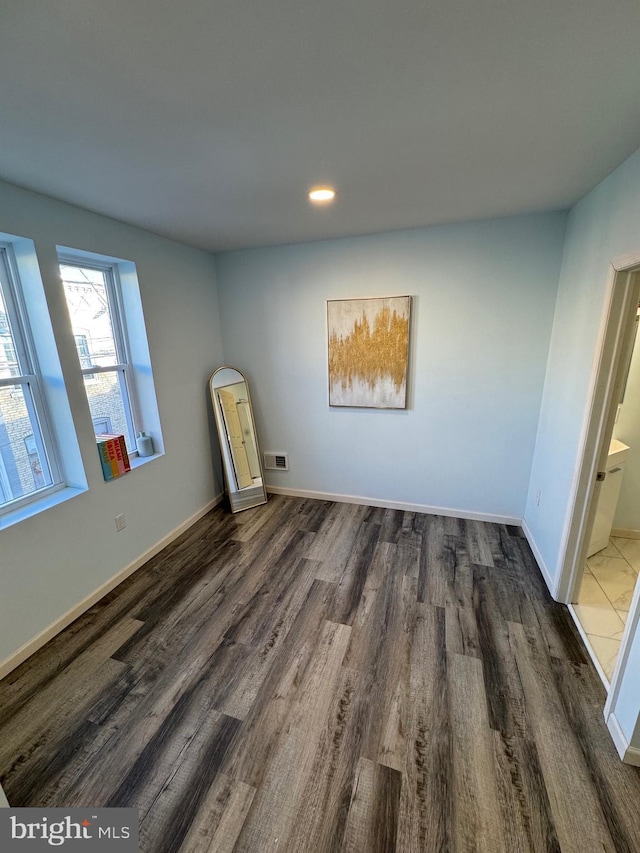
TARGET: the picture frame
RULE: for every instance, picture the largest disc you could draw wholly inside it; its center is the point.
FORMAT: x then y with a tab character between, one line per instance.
368	351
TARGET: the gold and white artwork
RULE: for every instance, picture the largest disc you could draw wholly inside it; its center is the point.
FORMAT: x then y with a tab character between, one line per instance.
369	351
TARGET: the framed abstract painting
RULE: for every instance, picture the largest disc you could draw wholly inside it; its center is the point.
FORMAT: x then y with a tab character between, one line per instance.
369	351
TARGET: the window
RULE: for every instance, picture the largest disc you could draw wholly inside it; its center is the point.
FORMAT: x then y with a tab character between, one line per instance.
102	426
94	300
34	461
105	309
8	361
83	350
8	357
28	456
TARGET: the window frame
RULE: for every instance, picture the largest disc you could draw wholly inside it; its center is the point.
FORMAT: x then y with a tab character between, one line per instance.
30	380
123	367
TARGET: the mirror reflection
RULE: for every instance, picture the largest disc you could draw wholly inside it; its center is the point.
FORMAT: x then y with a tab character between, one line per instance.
244	479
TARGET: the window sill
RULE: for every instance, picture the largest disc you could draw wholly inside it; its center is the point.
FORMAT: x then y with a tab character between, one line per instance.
138	461
39	505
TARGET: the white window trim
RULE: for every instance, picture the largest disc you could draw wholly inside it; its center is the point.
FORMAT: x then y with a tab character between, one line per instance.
133	341
29	381
113	285
54	417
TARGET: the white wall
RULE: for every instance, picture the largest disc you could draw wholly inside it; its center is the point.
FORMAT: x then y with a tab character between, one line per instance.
52	561
484	295
603	226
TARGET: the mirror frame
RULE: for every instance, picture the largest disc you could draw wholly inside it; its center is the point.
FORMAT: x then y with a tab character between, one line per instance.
249	496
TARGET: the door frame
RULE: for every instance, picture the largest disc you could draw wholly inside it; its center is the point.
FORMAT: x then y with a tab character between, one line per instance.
616	326
608	371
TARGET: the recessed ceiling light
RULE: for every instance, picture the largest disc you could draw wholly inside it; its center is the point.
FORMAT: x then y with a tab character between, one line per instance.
322	194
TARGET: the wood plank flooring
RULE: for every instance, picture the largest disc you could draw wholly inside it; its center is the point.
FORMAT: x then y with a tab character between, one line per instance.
311	676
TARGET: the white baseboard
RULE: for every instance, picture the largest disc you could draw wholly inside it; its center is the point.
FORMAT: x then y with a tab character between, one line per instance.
406	507
632	756
629	754
626	533
544	570
81	607
617	735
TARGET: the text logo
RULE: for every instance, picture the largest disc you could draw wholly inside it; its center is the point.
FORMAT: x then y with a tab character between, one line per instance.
79	829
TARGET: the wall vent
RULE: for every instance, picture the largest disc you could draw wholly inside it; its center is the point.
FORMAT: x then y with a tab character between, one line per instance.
276	461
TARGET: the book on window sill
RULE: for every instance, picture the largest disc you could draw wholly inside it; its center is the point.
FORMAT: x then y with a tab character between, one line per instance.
107	451
103	452
113	455
121	451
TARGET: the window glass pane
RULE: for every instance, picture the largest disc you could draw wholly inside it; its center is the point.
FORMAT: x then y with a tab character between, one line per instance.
104	392
89	309
23	464
8	360
39	478
102	425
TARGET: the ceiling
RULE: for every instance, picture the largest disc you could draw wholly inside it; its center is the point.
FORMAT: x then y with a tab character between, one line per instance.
207	120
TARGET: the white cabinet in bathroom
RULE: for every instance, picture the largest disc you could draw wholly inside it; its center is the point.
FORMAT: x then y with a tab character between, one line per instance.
608	497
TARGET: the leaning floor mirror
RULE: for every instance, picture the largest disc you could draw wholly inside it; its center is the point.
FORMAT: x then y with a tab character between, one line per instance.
243	475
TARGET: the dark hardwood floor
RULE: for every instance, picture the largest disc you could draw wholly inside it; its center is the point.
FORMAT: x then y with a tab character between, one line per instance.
310	676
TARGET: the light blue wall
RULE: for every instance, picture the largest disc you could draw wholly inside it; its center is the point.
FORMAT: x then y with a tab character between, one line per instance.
603	226
52	561
627	429
484	294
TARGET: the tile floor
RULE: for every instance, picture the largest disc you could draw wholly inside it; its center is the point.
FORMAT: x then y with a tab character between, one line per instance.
605	597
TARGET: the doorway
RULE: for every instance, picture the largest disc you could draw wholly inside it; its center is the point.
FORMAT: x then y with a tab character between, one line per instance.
599	576
604	598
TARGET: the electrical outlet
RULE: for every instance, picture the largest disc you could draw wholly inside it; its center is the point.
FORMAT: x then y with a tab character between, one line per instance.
538	496
121	522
